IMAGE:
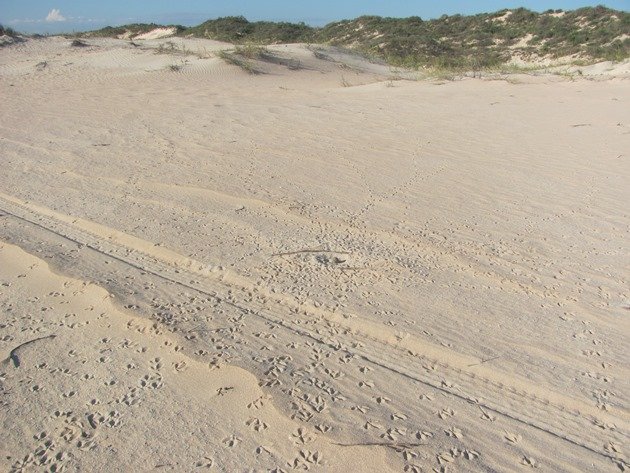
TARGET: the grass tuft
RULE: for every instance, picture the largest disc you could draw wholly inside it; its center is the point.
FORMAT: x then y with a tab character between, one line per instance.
231	57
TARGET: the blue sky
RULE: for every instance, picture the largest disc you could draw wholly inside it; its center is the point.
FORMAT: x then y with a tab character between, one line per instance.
51	16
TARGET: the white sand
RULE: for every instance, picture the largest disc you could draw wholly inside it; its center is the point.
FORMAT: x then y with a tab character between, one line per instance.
318	269
157	33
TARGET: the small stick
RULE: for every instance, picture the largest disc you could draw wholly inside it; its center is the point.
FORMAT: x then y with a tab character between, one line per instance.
311	251
485	361
13	355
395	446
581	124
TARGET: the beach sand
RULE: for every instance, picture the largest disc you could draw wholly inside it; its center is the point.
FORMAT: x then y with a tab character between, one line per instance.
331	266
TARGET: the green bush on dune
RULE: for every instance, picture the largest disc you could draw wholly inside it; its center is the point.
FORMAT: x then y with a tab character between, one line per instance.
489	38
238	30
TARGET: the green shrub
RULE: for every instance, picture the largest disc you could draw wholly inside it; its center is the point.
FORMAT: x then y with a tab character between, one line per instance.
237	30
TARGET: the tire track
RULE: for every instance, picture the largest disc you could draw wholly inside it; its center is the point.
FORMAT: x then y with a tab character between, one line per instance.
555	418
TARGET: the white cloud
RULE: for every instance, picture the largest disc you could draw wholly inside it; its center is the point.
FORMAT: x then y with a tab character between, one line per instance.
55	15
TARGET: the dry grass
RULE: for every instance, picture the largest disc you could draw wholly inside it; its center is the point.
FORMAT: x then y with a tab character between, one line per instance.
231	57
246	56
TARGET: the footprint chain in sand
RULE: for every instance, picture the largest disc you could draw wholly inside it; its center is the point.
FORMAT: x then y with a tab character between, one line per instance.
563	420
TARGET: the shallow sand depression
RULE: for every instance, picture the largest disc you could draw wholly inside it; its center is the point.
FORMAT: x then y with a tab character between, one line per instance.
325	266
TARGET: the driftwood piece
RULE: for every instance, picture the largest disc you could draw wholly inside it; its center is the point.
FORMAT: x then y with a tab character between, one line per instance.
311	251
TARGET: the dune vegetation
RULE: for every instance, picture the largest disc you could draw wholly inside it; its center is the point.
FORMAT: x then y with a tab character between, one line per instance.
489	39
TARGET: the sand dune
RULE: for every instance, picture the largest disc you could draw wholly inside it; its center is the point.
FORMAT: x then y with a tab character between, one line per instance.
329	267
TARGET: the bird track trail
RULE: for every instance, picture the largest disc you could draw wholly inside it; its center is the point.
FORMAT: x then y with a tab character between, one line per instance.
561	417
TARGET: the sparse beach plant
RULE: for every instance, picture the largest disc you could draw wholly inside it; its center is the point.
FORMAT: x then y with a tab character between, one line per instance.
251	51
231	57
77	43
